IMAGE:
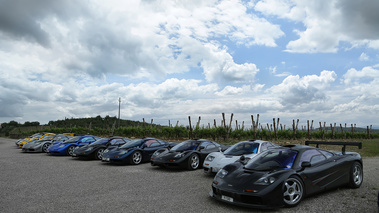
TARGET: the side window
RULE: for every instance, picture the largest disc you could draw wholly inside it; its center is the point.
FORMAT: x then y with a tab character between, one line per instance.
204	145
264	147
210	146
85	139
149	142
116	142
317	158
307	155
155	144
327	154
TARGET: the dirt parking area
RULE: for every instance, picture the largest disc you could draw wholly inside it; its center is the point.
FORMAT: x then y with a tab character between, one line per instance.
36	182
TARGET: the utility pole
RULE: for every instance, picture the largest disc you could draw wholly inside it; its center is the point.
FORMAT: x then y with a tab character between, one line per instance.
119	104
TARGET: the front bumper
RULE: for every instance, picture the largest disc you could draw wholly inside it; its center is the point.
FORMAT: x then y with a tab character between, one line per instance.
31	149
263	200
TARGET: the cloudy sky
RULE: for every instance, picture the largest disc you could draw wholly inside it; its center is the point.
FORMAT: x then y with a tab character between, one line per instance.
167	60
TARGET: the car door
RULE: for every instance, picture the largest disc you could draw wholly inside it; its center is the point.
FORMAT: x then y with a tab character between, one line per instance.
150	147
322	172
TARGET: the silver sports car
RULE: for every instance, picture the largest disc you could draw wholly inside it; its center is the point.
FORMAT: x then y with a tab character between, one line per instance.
42	145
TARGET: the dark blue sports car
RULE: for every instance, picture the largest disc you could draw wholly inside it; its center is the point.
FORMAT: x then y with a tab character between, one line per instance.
67	147
283	176
135	151
96	149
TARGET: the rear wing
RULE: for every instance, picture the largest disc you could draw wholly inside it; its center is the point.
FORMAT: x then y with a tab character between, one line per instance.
344	144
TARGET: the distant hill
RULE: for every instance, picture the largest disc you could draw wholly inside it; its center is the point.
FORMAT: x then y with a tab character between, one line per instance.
94	122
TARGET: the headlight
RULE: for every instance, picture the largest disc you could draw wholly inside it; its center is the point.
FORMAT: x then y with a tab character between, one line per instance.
89	149
210	158
265	181
179	155
156	153
105	151
222	173
123	152
61	146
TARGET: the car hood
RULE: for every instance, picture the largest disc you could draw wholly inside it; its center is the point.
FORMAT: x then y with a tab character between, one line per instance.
118	149
244	179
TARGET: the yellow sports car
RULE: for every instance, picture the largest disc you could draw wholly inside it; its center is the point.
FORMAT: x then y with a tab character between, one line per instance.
34	136
32	139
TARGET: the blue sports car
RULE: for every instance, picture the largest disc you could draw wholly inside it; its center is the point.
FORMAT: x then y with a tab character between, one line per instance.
135	151
67	147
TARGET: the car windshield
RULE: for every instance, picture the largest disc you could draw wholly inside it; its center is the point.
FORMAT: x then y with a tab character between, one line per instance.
273	159
59	138
74	139
101	141
242	148
49	137
186	145
133	143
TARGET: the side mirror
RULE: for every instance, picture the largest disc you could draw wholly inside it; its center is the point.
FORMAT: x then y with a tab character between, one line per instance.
201	147
305	164
242	158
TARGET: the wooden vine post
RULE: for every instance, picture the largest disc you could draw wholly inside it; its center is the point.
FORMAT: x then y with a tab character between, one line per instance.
333	130
269	130
343	131
198	123
368	132
294	127
255	125
190	127
276	126
352	129
227	128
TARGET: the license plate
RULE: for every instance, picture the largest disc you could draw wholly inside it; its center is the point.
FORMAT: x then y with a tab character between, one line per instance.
214	169
229	199
106	159
74	155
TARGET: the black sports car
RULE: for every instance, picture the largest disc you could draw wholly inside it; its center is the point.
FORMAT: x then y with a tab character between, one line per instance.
283	176
97	148
135	151
188	154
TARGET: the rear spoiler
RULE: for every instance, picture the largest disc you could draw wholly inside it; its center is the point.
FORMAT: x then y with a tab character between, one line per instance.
344	144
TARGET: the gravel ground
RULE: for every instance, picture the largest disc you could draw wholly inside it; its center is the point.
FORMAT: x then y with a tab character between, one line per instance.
36	182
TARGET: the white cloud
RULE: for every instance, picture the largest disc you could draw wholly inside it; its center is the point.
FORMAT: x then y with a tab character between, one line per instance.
327	22
296	90
354	76
364	57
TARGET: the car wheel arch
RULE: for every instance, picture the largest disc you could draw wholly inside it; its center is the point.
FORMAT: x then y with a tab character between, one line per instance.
298	180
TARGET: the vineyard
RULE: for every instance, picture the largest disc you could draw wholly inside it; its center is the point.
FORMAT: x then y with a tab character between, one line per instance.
225	132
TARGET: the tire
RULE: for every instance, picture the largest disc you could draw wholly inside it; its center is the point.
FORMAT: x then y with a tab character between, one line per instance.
356	175
45	147
193	162
70	150
293	191
136	158
99	154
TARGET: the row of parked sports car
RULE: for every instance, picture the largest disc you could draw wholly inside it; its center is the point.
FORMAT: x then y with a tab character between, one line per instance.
251	173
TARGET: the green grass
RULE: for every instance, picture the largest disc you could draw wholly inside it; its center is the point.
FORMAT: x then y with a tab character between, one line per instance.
370	148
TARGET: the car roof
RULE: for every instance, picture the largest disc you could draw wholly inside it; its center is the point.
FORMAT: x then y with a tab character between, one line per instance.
298	147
